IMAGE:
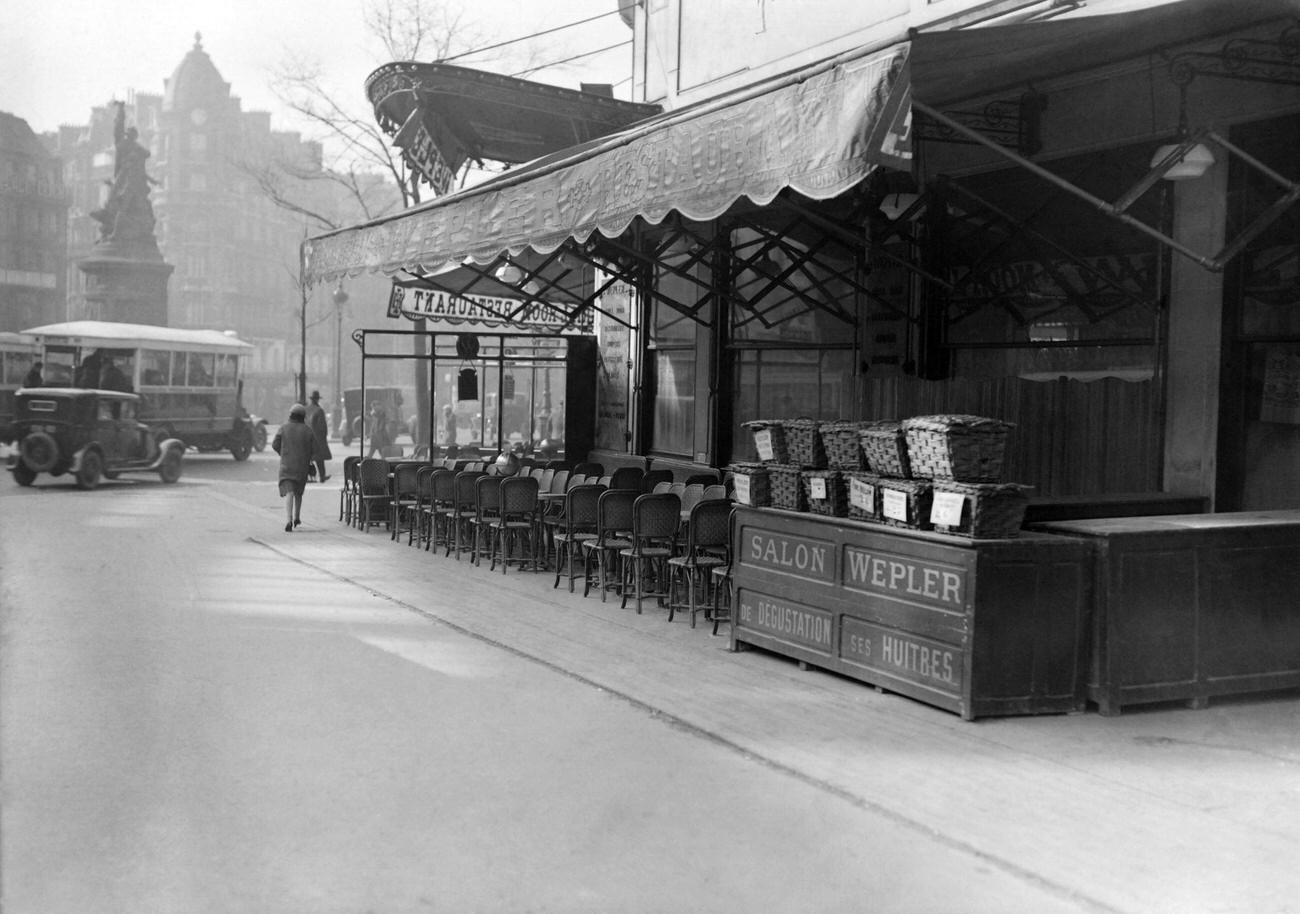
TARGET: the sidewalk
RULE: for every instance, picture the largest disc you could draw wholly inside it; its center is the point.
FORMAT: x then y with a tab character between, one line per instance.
1162	809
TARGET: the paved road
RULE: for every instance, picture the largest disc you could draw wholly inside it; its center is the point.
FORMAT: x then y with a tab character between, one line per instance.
196	719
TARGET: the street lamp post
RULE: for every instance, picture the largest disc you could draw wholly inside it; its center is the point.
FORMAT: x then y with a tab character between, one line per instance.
340	299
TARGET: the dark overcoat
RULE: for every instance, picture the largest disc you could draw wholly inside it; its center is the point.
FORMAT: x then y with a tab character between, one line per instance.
320	427
296	445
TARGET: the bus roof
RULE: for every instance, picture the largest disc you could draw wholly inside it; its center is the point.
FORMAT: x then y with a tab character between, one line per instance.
18	342
144	336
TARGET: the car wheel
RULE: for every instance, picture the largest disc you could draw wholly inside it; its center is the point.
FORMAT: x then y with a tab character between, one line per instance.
242	446
111	474
92	468
259	437
23	474
170	469
40	452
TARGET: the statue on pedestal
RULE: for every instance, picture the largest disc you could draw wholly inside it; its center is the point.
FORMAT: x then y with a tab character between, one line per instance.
128	214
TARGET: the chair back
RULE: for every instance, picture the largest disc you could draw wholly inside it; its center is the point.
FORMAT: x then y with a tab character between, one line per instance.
487	495
717	490
544	477
559	482
424	483
581	511
678	489
653	478
626	478
614	514
405	478
692	495
463	492
655	519
701	479
442	483
606	481
350	464
588	468
661	487
518	497
709	525
372	476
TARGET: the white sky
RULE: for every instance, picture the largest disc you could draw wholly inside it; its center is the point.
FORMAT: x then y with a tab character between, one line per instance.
60	58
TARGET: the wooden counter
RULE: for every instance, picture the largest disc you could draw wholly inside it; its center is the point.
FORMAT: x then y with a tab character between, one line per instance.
1192	606
977	627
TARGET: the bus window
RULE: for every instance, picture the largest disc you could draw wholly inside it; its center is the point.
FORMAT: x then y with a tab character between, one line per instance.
59	367
227	369
178	368
200	370
155	367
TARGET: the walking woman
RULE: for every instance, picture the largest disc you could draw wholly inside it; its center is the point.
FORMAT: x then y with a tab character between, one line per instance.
297	447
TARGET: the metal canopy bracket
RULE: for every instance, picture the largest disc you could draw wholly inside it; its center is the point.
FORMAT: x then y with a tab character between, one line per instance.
1011	123
1213	262
1251	59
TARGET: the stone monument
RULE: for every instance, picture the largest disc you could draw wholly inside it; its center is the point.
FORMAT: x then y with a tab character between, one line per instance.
126	277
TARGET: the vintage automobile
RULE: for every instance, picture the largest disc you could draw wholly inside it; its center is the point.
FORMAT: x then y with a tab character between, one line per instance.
91	434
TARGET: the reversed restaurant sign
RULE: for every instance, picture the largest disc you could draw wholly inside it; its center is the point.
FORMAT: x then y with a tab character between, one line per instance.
459	313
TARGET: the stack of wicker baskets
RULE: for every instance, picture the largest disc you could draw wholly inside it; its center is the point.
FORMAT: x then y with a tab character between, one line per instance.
963	456
885	492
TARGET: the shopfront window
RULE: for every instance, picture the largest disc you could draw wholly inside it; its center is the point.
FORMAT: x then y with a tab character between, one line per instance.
678	341
788	384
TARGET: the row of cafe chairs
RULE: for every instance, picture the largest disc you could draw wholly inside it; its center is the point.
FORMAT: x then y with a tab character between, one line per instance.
633	533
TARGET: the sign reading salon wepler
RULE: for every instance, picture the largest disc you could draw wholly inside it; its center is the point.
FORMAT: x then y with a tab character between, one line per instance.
899	577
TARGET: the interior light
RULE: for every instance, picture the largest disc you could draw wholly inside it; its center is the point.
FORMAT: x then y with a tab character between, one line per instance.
509	274
1192	164
894	205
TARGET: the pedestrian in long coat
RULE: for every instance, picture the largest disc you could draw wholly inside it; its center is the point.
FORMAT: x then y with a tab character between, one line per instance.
320	427
296	445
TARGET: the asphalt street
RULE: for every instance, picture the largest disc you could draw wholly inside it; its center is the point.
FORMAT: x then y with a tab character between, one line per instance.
202	713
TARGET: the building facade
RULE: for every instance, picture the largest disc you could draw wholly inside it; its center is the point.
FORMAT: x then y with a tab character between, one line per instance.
33	229
235	251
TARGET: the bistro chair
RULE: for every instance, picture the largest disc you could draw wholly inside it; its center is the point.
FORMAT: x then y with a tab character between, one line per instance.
372	492
701	479
422	512
348	492
721	591
587	468
655	519
653	478
708	540
661	487
517	523
404	500
487	511
692	495
714	491
613	535
442	485
579	526
627	478
462	512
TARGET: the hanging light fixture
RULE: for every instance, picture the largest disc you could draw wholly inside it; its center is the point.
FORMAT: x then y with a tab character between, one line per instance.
894	205
1182	160
509	274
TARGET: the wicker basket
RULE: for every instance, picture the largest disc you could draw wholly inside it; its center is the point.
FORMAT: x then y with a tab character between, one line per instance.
787	487
906	503
863	490
960	448
826	492
840	441
988	511
885	449
803	440
752	484
769	436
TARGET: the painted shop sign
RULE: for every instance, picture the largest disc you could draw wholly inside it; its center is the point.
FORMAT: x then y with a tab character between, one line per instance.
785	620
791	555
901	654
904	577
459	313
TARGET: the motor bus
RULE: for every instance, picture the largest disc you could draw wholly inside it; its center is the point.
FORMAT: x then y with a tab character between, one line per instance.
189	381
17	353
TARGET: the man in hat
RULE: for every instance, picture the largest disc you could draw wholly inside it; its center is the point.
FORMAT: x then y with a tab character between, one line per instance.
319	426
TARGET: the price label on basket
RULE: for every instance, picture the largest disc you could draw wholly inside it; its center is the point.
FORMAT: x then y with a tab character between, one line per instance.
763	441
893	504
817	488
862	495
742	489
947	508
